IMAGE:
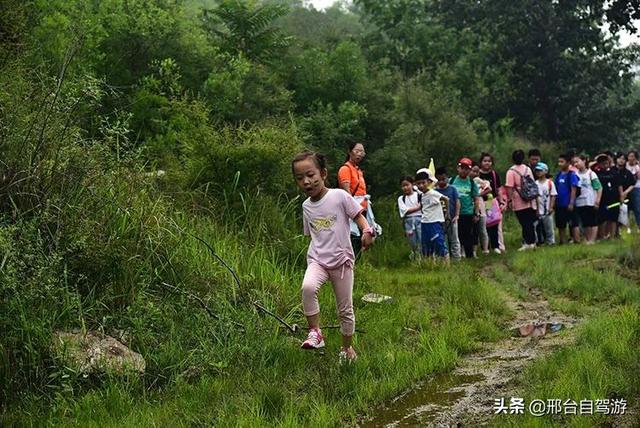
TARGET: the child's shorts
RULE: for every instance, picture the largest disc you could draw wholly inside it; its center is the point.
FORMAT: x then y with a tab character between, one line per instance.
433	240
608	214
564	217
588	216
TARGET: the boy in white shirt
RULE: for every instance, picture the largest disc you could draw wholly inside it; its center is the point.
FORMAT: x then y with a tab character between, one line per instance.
546	205
433	238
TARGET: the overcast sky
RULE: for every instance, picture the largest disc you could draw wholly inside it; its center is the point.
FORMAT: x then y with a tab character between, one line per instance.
321	4
625	38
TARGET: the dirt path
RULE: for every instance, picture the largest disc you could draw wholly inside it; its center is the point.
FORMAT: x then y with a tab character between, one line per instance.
465	397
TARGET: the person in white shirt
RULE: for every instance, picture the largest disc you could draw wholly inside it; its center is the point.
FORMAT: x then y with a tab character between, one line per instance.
546	205
588	202
411	214
433	238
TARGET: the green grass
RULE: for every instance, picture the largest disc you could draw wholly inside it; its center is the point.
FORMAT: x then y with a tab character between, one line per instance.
205	371
604	362
261	377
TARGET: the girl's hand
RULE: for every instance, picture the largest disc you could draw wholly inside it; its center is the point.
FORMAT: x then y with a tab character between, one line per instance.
454	219
367	240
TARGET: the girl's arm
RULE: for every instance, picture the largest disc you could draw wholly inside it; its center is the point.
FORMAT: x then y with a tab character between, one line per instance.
414	209
597	186
366	231
402	207
621	193
404	210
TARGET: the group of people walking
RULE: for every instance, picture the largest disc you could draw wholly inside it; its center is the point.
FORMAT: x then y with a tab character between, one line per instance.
451	216
590	198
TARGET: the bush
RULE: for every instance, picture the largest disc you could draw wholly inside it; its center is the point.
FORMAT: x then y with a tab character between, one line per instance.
429	129
255	158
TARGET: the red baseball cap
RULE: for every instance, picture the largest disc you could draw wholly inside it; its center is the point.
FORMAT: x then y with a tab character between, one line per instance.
466	162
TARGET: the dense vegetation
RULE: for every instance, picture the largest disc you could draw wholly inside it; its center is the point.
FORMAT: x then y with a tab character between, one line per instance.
98	97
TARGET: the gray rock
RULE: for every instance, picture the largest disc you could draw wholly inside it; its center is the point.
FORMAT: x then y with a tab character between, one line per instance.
95	352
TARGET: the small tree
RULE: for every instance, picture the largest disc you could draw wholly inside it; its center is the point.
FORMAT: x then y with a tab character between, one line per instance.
247	28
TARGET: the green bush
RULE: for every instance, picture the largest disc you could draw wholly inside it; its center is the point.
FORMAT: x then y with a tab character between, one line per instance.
254	158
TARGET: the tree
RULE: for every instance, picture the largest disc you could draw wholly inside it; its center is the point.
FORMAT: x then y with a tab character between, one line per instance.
247	28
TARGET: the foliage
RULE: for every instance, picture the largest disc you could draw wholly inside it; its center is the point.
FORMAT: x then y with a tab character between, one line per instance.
247	28
429	129
240	91
130	128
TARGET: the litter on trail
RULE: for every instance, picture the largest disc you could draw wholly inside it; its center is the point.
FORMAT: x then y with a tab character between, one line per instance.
376	298
537	329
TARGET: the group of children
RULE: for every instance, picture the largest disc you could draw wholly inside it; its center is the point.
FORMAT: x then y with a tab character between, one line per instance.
450	217
446	217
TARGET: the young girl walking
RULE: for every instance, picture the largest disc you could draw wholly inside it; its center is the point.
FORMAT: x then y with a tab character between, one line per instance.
326	214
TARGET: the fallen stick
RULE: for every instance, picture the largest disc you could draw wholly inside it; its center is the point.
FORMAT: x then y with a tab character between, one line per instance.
199	300
292	328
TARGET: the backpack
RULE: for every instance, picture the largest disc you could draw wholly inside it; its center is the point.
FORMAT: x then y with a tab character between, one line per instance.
404	198
528	187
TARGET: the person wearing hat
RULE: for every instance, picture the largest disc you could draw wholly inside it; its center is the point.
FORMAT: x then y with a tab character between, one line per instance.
545	233
469	195
433	217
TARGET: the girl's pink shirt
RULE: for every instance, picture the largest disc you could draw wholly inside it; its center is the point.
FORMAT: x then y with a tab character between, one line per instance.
513	180
327	222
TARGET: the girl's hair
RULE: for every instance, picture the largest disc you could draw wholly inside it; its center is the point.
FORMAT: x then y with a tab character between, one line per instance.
318	159
518	157
584	157
407	178
485	155
634	152
350	147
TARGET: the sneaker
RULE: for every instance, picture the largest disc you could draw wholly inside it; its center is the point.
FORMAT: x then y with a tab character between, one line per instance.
347	355
526	247
314	340
485	252
497	251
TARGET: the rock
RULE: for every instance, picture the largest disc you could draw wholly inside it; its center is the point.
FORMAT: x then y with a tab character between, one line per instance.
95	352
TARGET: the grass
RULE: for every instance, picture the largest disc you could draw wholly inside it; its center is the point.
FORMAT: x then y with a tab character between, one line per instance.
203	371
603	363
262	378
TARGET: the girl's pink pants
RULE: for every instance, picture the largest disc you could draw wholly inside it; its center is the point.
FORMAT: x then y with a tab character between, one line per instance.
342	280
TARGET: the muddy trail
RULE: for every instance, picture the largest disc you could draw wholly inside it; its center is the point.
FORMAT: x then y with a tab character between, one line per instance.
465	396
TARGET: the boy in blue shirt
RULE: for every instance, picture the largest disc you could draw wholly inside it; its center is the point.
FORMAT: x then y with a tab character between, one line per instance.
433	241
567	185
451	229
